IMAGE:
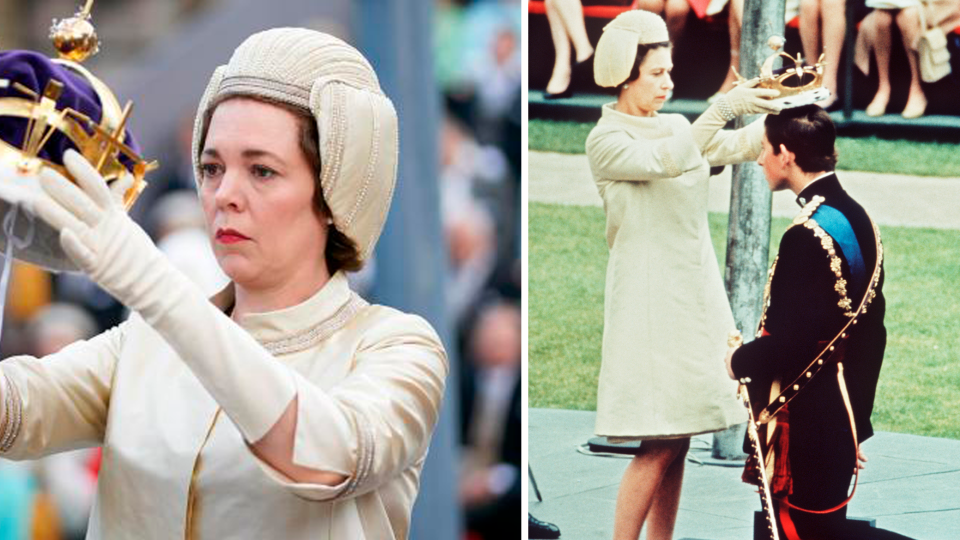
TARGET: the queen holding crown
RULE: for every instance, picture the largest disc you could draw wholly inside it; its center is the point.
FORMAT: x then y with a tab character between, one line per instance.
284	407
666	316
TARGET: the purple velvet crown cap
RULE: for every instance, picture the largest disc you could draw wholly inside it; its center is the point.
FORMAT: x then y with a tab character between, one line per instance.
33	70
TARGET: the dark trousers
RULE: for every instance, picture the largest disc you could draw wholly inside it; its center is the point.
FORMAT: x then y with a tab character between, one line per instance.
821	471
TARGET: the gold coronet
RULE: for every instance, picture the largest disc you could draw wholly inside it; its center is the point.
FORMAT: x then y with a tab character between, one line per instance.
799	72
101	143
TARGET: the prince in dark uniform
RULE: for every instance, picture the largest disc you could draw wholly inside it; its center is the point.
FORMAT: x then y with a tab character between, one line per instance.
820	347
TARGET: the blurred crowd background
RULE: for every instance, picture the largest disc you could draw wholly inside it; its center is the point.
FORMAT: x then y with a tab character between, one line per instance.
476	59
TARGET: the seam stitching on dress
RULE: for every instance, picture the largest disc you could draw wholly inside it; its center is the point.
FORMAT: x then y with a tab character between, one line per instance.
669	165
246	82
365	457
317	333
373	161
13	409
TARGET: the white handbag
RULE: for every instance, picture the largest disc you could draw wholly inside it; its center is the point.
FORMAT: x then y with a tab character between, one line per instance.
933	52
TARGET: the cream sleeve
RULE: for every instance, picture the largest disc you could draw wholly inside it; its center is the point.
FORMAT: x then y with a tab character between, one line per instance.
615	155
250	384
379	420
726	147
369	427
58	402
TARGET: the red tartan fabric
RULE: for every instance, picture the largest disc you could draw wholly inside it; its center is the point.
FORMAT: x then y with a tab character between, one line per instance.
781	482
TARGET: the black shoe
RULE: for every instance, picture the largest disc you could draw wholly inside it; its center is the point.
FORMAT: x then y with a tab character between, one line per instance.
568	91
541	529
565	94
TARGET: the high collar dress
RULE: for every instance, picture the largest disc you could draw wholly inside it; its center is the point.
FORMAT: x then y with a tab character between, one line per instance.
370	382
666	315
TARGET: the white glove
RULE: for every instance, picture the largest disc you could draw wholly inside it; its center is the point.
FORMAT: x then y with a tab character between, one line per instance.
742	99
745	98
117	254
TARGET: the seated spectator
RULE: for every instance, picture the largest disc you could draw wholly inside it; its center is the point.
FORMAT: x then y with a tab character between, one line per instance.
468	224
490	398
823	25
876	32
565	18
734	23
876	37
674	12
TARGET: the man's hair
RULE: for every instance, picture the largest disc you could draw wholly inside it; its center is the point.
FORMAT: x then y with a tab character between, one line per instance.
806	131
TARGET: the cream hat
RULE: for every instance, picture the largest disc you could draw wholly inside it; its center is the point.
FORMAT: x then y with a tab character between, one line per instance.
617	49
356	121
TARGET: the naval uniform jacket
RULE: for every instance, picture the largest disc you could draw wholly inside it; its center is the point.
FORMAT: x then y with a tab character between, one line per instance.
804	313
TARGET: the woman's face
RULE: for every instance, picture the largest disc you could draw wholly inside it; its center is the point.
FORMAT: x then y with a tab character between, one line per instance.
647	94
257	195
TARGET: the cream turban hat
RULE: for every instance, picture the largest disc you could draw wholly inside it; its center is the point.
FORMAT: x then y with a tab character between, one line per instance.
617	50
356	121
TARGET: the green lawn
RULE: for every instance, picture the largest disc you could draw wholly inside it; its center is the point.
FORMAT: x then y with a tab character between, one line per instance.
869	154
919	388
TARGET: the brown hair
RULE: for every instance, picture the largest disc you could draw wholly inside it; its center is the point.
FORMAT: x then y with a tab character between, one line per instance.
806	131
642	51
341	252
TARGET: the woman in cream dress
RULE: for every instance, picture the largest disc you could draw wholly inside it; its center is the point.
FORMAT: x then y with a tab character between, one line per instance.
286	406
666	316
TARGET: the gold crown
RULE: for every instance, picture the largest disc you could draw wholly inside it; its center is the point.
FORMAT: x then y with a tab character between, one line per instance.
801	78
100	143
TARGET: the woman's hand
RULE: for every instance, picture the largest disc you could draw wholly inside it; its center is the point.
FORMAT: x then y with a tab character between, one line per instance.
95	231
734	341
745	98
729	362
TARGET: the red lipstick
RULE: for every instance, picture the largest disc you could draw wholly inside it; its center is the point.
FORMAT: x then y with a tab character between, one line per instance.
230	236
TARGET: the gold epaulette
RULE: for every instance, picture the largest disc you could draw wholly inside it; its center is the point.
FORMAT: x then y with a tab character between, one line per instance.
805	219
807	211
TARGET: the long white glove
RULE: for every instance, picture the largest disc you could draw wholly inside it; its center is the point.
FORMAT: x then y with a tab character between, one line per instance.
744	98
117	254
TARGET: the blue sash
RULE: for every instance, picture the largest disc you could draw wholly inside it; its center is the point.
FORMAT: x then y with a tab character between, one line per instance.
837	226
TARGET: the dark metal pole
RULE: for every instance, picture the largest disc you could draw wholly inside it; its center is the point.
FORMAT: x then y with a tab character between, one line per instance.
748	236
397	37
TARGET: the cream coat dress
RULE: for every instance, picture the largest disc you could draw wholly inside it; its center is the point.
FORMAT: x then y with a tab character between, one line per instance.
666	315
369	385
